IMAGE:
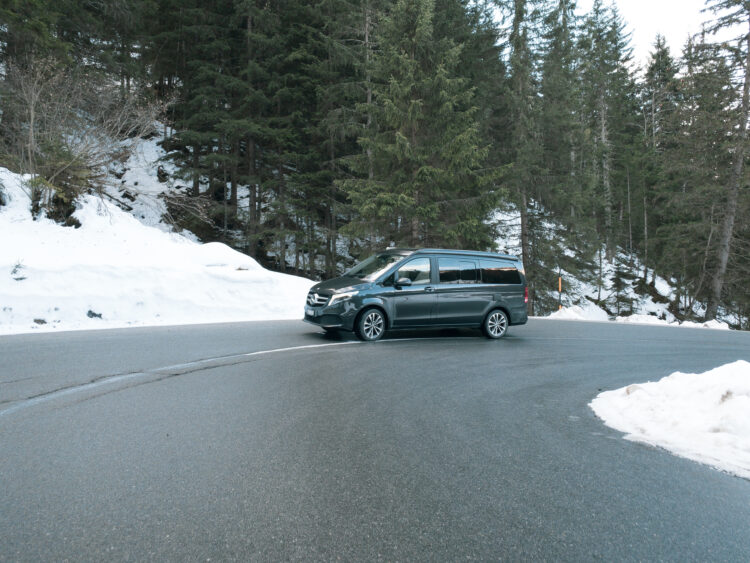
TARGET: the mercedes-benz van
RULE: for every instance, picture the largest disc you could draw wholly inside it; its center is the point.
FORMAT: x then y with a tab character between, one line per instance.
428	288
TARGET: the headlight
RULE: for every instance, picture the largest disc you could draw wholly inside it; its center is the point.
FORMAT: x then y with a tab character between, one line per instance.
341	296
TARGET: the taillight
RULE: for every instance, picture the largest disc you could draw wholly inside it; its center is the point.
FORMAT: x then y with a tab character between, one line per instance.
526	294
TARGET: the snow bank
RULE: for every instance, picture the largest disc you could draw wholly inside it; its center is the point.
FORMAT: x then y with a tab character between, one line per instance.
643	320
704	417
584	312
589	312
652	320
716	325
114	271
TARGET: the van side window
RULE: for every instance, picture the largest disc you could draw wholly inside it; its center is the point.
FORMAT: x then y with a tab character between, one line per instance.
498	271
468	271
450	270
418	271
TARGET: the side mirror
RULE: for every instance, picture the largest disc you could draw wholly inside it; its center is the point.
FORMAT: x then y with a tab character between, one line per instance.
403	282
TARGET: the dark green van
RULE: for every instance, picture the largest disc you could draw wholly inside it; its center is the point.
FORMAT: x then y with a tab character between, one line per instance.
428	288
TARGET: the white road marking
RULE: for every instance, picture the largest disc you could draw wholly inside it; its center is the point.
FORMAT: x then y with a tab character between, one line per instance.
107	380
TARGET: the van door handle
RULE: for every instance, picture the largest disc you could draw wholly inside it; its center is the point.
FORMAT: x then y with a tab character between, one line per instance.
429	289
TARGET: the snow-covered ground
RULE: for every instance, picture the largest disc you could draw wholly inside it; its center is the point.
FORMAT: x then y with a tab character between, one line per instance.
138	185
578	295
704	417
587	311
116	271
123	269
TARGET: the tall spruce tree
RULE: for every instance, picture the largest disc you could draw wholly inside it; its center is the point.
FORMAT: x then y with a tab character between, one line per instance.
695	165
562	188
333	128
731	14
28	30
427	185
658	104
608	97
559	126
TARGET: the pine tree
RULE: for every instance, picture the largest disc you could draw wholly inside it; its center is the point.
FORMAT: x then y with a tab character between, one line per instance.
28	30
332	126
609	104
658	103
258	52
560	129
732	13
203	113
695	164
426	187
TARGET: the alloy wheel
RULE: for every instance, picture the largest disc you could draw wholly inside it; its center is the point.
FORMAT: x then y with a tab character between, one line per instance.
373	325
497	324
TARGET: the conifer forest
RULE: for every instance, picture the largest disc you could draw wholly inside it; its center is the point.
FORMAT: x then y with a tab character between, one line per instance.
310	133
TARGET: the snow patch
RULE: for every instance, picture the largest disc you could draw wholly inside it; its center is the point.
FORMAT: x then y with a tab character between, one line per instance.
585	312
704	417
643	320
714	324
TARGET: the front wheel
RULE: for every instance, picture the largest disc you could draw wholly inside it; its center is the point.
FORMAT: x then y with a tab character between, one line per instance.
371	325
496	324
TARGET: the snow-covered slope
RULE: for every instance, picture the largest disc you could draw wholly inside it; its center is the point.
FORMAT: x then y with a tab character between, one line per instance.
135	183
578	296
116	271
130	268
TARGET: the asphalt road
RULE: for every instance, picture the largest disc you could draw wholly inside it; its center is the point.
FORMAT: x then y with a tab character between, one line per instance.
202	443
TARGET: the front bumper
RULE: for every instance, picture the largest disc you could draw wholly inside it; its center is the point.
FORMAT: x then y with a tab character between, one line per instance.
341	315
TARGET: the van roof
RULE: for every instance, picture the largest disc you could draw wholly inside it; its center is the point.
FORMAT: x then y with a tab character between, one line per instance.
478	253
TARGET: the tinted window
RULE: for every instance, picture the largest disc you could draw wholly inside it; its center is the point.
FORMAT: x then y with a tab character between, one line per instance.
498	271
418	271
450	270
468	272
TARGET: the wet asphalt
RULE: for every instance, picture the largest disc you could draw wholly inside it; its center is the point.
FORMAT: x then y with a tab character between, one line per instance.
202	443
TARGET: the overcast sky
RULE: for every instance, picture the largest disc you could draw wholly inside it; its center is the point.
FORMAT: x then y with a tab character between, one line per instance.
674	19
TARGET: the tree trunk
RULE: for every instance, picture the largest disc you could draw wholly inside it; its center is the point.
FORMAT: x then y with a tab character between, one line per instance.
645	240
282	224
606	179
525	246
196	175
331	224
368	87
233	179
252	212
630	221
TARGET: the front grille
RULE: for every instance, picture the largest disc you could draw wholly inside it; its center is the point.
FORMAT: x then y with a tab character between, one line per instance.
316	300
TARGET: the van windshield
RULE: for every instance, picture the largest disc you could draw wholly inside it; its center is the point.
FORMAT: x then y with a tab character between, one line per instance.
375	265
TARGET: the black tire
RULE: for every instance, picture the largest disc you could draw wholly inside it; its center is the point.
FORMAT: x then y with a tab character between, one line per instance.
371	325
495	324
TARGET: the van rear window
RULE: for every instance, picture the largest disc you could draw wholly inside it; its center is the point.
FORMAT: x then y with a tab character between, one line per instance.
498	271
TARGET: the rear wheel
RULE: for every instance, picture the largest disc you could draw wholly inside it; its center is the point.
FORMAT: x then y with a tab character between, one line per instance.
495	324
371	325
